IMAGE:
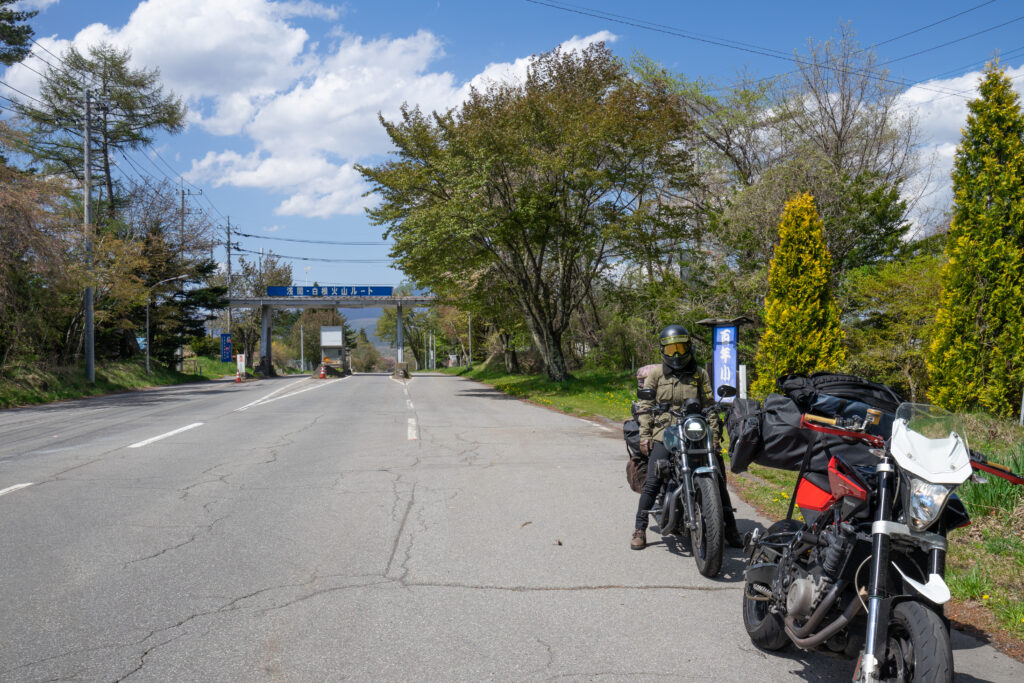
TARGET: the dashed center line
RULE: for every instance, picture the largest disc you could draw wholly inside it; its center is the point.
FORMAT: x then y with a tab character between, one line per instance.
16	487
140	444
413	429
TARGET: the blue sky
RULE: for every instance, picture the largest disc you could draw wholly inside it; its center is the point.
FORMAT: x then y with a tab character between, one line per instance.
284	96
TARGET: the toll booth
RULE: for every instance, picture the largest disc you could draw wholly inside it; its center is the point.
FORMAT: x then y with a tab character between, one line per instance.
332	345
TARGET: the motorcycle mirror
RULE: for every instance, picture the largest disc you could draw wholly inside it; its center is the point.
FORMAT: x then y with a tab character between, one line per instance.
725	391
645	394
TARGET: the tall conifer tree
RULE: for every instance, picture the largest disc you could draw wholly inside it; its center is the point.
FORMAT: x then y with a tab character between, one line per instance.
802	329
977	355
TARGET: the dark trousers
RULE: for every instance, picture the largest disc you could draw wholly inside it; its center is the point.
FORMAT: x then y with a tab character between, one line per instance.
653	484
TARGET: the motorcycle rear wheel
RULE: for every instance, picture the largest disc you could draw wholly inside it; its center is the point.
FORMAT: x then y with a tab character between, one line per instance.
918	647
707	536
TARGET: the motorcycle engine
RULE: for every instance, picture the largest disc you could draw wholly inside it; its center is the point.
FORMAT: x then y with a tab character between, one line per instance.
804	593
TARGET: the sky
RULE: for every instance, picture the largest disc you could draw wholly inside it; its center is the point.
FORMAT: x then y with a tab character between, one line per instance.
284	96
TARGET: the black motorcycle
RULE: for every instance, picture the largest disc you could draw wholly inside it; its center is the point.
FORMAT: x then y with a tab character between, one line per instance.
863	574
689	501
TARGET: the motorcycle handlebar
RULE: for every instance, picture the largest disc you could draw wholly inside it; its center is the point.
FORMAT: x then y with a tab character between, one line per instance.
980	462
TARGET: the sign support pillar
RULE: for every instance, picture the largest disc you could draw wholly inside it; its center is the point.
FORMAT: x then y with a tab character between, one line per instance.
266	367
401	342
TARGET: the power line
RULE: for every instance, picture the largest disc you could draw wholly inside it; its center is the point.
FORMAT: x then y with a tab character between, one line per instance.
295	239
720	42
962	38
309	258
934	23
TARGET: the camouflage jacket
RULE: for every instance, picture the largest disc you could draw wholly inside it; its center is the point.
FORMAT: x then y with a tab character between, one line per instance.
674	388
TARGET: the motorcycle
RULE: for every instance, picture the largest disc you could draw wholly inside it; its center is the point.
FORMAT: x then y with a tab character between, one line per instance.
689	501
864	575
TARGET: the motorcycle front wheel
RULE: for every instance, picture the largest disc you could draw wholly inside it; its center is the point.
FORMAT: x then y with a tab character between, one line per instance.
918	647
706	537
765	628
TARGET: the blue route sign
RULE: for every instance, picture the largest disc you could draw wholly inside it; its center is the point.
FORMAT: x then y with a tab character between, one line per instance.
361	290
725	349
225	348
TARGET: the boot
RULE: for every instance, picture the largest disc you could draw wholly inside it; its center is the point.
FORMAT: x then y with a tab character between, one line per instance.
639	541
732	536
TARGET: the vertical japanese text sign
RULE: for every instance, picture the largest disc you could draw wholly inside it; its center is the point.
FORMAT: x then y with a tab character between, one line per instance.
225	348
725	350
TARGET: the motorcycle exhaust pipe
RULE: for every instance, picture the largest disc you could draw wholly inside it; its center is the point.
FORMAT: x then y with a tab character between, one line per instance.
814	641
673	509
819	614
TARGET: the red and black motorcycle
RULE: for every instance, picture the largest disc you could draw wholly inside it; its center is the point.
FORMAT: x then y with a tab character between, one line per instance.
863	573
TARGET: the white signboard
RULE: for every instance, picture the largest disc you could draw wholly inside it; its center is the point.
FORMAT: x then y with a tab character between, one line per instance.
241	363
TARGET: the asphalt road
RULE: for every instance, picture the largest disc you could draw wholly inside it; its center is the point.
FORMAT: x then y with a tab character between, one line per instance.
356	528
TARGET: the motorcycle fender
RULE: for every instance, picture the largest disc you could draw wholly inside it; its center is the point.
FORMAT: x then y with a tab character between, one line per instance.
763	572
705	471
935	590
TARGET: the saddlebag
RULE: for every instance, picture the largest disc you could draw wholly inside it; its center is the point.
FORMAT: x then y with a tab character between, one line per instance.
743	424
785	444
805	390
636	466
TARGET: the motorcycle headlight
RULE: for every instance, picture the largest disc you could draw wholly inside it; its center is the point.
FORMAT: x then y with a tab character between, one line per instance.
694	429
924	502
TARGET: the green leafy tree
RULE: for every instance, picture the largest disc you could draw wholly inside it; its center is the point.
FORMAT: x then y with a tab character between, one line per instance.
889	310
802	326
977	355
365	357
252	280
533	186
15	33
310	321
130	108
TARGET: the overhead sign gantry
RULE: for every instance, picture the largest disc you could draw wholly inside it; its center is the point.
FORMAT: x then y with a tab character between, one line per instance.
347	296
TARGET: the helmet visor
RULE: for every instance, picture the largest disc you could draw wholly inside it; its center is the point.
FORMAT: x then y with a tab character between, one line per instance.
676	348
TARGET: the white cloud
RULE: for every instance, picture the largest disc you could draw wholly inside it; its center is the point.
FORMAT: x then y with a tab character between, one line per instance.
34	4
941	114
309	112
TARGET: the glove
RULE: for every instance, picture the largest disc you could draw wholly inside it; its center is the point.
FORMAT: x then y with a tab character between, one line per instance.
646	446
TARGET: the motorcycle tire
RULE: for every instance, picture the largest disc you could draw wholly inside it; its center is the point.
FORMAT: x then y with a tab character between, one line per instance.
766	629
708	535
918	647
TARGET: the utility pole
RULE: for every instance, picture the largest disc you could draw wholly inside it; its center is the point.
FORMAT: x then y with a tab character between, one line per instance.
229	279
181	233
469	364
90	338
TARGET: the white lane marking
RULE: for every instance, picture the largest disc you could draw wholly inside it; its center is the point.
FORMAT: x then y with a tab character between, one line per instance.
164	436
404	383
409	403
266	399
413	435
275	391
16	487
600	426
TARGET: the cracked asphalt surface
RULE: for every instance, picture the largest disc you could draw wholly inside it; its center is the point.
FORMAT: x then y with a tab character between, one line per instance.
299	534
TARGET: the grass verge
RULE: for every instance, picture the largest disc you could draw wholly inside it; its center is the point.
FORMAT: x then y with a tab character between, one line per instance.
986	560
24	384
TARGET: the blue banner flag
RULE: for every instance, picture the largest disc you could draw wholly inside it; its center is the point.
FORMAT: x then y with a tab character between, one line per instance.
725	350
225	348
360	290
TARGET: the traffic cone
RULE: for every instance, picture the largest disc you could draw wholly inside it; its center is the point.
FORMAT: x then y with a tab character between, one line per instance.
323	372
238	377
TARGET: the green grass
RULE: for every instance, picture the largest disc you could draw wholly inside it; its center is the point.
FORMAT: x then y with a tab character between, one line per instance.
590	392
985	561
26	384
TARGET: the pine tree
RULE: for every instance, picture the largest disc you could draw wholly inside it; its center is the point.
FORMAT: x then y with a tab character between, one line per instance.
802	329
976	358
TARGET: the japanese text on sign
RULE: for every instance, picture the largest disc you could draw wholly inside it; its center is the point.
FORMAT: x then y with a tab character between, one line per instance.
361	290
724	363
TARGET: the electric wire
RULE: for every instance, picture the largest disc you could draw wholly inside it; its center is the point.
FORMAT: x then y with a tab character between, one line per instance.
310	258
951	42
934	23
295	239
764	52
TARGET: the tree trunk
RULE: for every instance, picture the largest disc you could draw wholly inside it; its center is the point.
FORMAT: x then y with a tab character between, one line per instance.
511	359
549	345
